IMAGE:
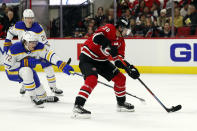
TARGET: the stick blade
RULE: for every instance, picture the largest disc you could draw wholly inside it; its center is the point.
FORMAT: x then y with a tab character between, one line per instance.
175	108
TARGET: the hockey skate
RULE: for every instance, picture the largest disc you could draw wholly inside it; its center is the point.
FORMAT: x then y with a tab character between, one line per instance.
80	112
56	91
51	99
38	102
125	107
22	90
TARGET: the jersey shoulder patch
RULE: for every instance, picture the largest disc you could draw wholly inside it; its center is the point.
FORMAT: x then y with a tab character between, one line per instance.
17	48
20	25
39	46
36	28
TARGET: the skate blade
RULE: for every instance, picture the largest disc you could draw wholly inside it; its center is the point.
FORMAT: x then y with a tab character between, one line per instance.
81	116
125	110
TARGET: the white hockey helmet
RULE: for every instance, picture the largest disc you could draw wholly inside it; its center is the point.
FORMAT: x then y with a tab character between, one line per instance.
30	40
28	13
30	36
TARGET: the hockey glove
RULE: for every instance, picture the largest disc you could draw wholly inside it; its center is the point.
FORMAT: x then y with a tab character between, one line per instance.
132	72
66	68
113	51
29	62
130	69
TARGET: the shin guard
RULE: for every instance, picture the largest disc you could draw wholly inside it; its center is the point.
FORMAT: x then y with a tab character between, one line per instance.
119	87
86	89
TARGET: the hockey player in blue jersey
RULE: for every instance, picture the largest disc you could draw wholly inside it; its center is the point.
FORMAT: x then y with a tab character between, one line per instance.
20	61
29	25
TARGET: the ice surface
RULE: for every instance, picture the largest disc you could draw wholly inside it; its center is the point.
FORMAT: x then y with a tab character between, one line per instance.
17	113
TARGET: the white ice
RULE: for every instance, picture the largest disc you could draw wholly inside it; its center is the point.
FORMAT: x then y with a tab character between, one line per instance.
17	113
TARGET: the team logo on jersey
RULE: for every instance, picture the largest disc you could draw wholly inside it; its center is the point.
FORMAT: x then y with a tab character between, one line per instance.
105	51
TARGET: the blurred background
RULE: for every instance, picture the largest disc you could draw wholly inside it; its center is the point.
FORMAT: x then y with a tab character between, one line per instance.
80	18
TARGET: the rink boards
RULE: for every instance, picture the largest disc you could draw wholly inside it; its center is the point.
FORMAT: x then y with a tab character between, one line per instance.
149	55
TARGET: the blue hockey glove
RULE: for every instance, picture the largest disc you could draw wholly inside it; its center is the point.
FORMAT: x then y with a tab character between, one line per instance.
66	68
29	62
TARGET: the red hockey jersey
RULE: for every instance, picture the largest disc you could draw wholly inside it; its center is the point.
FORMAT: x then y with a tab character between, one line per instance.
95	51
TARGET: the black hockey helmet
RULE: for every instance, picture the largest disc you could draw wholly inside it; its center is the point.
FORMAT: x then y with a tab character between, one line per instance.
123	22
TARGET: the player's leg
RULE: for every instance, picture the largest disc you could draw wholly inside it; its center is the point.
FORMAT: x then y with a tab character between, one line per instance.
50	74
111	72
90	76
31	82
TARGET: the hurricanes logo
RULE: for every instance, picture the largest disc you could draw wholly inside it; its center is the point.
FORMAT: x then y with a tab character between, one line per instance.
105	51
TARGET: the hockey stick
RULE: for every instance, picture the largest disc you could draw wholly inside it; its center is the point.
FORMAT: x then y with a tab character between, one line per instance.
172	109
141	99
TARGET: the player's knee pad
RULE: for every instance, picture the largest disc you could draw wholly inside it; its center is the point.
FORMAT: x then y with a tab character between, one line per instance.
45	63
30	78
26	74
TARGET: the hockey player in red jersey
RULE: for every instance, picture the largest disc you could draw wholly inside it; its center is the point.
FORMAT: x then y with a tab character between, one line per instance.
96	50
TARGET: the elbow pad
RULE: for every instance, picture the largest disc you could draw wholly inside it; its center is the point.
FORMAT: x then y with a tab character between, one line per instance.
101	40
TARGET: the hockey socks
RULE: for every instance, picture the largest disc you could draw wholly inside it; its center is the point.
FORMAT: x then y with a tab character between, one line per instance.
86	89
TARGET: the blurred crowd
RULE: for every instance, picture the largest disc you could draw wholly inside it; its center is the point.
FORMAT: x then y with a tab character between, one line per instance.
8	17
147	18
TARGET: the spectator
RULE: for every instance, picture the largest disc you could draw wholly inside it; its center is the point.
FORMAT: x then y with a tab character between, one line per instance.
178	19
110	16
127	14
162	18
132	25
184	9
191	19
140	8
2	13
155	10
166	31
194	2
149	3
9	20
100	16
138	30
77	33
149	29
90	32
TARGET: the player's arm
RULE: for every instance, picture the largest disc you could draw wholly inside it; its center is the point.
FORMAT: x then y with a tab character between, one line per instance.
100	39
10	61
51	57
43	38
8	41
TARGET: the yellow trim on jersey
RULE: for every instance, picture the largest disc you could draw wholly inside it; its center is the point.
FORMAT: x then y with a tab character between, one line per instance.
7	43
49	55
26	62
37	50
18	53
12	72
